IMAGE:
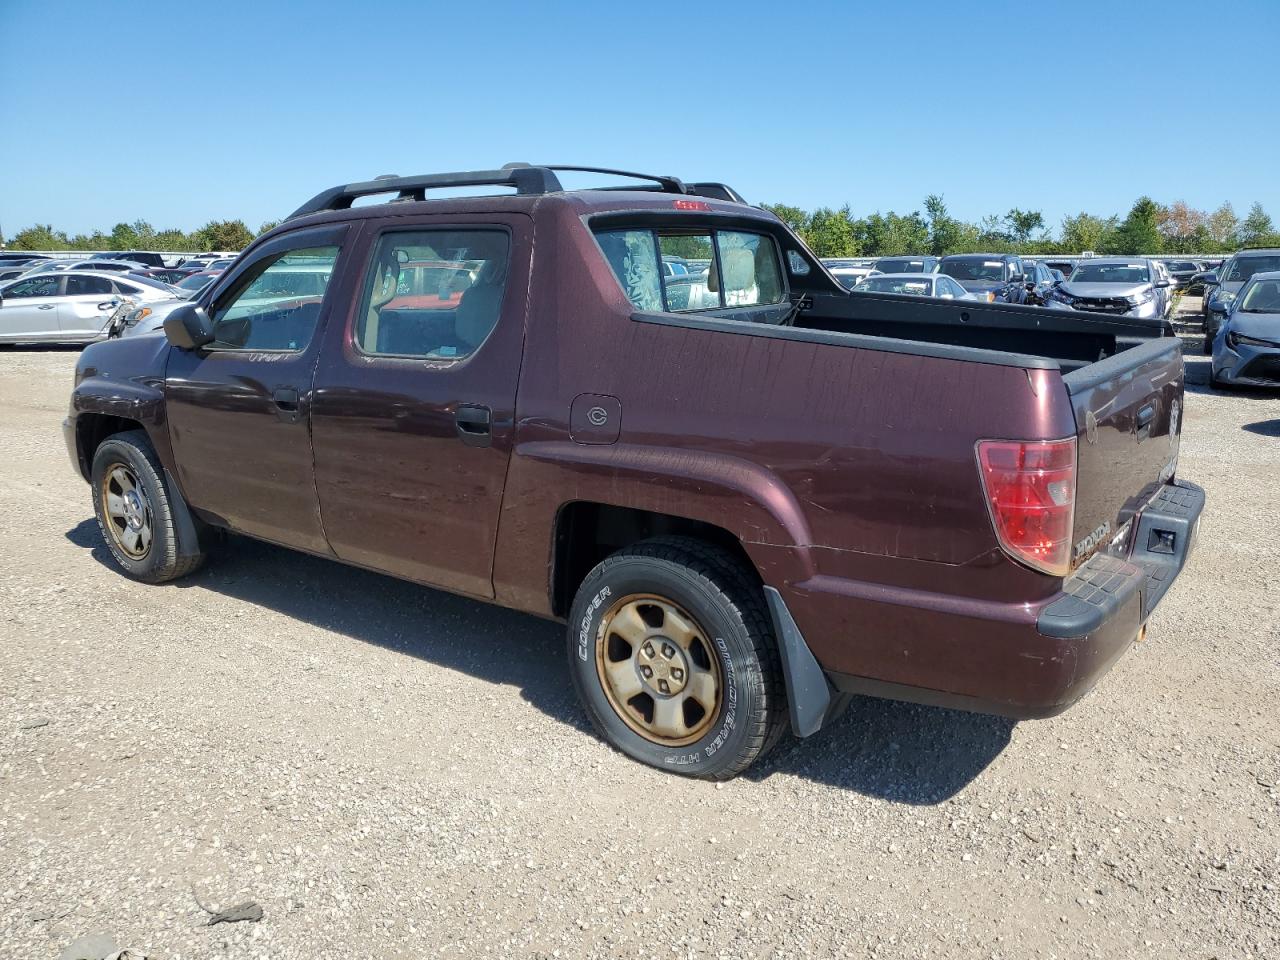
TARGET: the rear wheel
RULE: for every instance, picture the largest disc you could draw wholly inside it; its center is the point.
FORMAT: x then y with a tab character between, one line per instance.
134	512
672	654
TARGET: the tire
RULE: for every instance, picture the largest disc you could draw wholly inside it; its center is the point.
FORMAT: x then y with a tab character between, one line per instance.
125	462
646	586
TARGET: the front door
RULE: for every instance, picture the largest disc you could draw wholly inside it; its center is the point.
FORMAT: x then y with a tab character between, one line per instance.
414	411
29	309
238	409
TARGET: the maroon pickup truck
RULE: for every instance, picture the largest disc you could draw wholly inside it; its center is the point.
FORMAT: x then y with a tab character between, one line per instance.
749	493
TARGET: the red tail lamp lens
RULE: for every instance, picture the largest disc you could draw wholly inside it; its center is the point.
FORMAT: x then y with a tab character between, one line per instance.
1031	493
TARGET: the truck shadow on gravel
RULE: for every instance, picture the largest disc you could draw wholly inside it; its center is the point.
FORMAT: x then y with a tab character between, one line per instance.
894	751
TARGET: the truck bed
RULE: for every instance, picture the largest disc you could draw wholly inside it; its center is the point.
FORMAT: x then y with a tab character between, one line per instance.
1070	338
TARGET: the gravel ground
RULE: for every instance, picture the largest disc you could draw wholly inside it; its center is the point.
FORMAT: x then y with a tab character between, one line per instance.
394	772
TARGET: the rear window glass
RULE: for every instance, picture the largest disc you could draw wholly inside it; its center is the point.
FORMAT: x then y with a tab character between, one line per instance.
741	269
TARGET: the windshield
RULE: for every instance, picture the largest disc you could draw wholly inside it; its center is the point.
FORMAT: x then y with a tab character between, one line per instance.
1262	297
900	265
919	288
1129	273
973	269
148	282
195	282
1242	268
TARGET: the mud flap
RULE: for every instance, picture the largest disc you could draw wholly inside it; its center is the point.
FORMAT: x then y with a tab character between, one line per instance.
810	698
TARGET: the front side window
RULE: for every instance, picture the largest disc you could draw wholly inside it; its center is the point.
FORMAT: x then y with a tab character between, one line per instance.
742	268
278	302
43	286
433	294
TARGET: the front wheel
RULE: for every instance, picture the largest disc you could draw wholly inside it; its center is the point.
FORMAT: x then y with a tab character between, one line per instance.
671	651
134	510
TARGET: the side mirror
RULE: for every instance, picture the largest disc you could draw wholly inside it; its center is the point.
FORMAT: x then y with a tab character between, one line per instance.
188	327
1209	278
1162	283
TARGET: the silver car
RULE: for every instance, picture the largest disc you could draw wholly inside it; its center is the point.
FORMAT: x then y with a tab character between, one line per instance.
1246	349
937	285
1122	286
68	306
1226	284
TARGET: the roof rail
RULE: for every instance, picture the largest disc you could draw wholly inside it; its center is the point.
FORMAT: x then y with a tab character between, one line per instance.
528	179
525	179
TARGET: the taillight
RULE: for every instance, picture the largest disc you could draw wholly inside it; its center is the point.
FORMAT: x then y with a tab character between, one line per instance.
1031	493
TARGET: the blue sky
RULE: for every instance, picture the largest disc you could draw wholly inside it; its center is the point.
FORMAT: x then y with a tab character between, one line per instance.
179	113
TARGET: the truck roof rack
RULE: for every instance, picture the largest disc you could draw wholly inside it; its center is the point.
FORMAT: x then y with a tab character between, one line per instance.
527	179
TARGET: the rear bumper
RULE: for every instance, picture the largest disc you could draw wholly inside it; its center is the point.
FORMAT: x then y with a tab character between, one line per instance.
1019	660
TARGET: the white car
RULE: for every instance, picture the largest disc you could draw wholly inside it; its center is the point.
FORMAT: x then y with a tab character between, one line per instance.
914	284
68	306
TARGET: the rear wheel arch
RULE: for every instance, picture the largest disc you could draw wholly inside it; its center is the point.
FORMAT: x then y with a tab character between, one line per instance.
587	531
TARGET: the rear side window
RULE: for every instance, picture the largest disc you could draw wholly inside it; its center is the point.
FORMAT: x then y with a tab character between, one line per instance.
83	286
433	294
34	287
742	269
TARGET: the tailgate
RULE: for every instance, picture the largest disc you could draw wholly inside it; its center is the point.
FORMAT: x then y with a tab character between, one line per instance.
1128	411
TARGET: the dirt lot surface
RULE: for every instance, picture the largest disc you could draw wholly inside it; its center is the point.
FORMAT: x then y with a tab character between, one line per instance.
389	771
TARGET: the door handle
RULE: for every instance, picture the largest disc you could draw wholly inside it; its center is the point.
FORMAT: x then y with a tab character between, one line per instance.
47	306
286	401
1144	419
474	423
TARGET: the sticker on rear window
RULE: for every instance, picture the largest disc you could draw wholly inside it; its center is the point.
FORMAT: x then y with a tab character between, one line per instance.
992	263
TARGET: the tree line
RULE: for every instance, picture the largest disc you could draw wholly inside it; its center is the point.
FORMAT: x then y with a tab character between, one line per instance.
1149	227
139	235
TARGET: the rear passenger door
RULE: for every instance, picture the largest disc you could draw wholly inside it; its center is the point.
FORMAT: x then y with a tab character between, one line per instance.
85	308
414	413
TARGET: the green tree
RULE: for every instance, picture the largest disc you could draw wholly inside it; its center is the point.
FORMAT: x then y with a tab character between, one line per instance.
222	235
945	232
42	236
1256	226
172	239
124	237
1140	231
1020	224
830	233
793	217
268	227
891	234
1223	226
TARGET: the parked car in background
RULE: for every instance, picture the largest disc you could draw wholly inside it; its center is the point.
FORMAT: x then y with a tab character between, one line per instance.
1182	272
1063	265
914	284
133	256
221	264
734	553
1246	348
848	272
169	275
1122	286
58	266
994	277
1222	286
1038	280
193	283
71	306
905	265
10	273
1058	276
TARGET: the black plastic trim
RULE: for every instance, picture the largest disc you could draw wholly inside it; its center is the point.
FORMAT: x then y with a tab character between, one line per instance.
184	524
859	340
1105	584
809	698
